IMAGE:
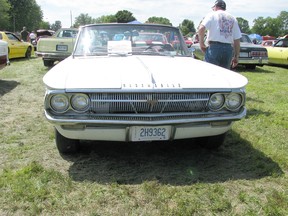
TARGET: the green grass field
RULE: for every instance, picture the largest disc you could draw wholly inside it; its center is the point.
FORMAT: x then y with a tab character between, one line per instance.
246	176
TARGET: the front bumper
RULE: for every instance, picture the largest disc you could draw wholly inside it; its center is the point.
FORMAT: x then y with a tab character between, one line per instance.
253	61
52	56
119	130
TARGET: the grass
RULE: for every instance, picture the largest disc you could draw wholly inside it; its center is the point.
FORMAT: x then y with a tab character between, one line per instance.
246	176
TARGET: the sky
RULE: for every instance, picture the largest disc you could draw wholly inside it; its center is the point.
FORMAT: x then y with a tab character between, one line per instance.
174	10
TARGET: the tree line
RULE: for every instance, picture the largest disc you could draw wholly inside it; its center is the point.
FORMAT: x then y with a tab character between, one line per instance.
14	14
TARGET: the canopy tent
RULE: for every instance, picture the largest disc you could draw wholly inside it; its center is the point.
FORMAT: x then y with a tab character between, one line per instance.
135	22
255	36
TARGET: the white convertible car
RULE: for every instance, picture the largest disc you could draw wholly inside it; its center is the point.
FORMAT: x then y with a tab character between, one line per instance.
115	88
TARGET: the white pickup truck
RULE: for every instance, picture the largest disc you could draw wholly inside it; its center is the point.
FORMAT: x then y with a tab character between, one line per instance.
57	47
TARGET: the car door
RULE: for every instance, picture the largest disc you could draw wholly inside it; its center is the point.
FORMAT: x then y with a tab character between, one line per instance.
16	46
278	54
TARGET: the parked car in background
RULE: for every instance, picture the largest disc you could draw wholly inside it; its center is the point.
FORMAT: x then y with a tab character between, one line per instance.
268	42
41	33
188	42
251	55
278	53
57	47
4	60
130	92
148	38
16	47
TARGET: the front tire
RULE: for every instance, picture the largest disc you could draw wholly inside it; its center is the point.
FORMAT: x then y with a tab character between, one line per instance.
66	145
48	63
28	53
250	67
212	142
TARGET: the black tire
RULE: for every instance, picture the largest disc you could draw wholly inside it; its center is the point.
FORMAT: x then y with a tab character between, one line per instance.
211	142
250	67
66	145
48	63
28	53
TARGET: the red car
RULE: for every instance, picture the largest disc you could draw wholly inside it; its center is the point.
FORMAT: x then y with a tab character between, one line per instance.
268	42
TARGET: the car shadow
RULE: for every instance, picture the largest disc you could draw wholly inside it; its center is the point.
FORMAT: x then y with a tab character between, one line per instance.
7	86
242	69
175	163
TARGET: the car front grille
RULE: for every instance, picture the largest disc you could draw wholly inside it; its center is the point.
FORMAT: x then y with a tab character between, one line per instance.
153	103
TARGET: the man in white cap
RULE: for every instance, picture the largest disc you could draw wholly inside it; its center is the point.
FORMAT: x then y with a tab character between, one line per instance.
223	36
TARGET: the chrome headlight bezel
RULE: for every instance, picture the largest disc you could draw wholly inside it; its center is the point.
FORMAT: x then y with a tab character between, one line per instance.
80	102
216	101
233	101
59	103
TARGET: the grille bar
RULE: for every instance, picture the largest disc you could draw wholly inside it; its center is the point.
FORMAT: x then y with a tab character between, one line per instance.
148	102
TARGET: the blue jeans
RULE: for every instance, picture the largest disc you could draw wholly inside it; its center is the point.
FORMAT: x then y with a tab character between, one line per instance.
219	54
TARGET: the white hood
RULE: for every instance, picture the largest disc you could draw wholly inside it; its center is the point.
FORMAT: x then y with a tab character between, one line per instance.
140	72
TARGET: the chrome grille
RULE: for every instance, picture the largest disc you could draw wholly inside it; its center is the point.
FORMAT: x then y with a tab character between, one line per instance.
122	103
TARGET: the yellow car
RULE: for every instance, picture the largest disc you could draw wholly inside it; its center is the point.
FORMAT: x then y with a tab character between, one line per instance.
278	53
16	47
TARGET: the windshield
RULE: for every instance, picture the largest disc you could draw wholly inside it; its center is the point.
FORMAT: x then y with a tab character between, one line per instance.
130	39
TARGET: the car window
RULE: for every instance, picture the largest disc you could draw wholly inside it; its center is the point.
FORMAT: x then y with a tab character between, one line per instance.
67	33
245	39
141	39
281	43
12	37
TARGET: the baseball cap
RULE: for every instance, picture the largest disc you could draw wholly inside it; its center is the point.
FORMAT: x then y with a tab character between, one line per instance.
221	4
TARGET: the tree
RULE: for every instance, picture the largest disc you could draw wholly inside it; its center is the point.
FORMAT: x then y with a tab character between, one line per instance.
124	16
283	18
24	13
45	25
57	25
4	14
159	20
187	26
244	25
267	26
106	19
83	19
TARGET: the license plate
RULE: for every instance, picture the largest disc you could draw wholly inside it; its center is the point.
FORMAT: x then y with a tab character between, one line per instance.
243	54
61	47
144	133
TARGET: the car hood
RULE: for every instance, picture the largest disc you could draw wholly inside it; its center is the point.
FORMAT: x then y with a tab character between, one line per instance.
140	72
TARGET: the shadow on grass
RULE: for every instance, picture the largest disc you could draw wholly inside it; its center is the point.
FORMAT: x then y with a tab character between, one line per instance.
173	163
258	69
7	86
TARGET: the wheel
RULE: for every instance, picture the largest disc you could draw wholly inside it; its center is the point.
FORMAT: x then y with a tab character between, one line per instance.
252	67
28	52
211	142
48	63
66	145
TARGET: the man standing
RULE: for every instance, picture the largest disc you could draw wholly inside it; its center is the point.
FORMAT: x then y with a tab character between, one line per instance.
24	34
223	32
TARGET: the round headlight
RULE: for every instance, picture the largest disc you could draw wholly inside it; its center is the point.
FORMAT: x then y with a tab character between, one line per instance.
59	103
216	101
233	101
80	102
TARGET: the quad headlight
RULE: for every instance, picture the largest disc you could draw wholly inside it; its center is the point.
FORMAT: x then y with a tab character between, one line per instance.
216	101
232	101
80	102
62	103
59	103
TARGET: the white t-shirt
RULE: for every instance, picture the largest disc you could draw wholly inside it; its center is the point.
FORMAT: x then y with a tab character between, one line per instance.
32	35
221	27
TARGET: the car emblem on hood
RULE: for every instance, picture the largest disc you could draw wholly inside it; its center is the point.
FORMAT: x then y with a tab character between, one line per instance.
151	101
